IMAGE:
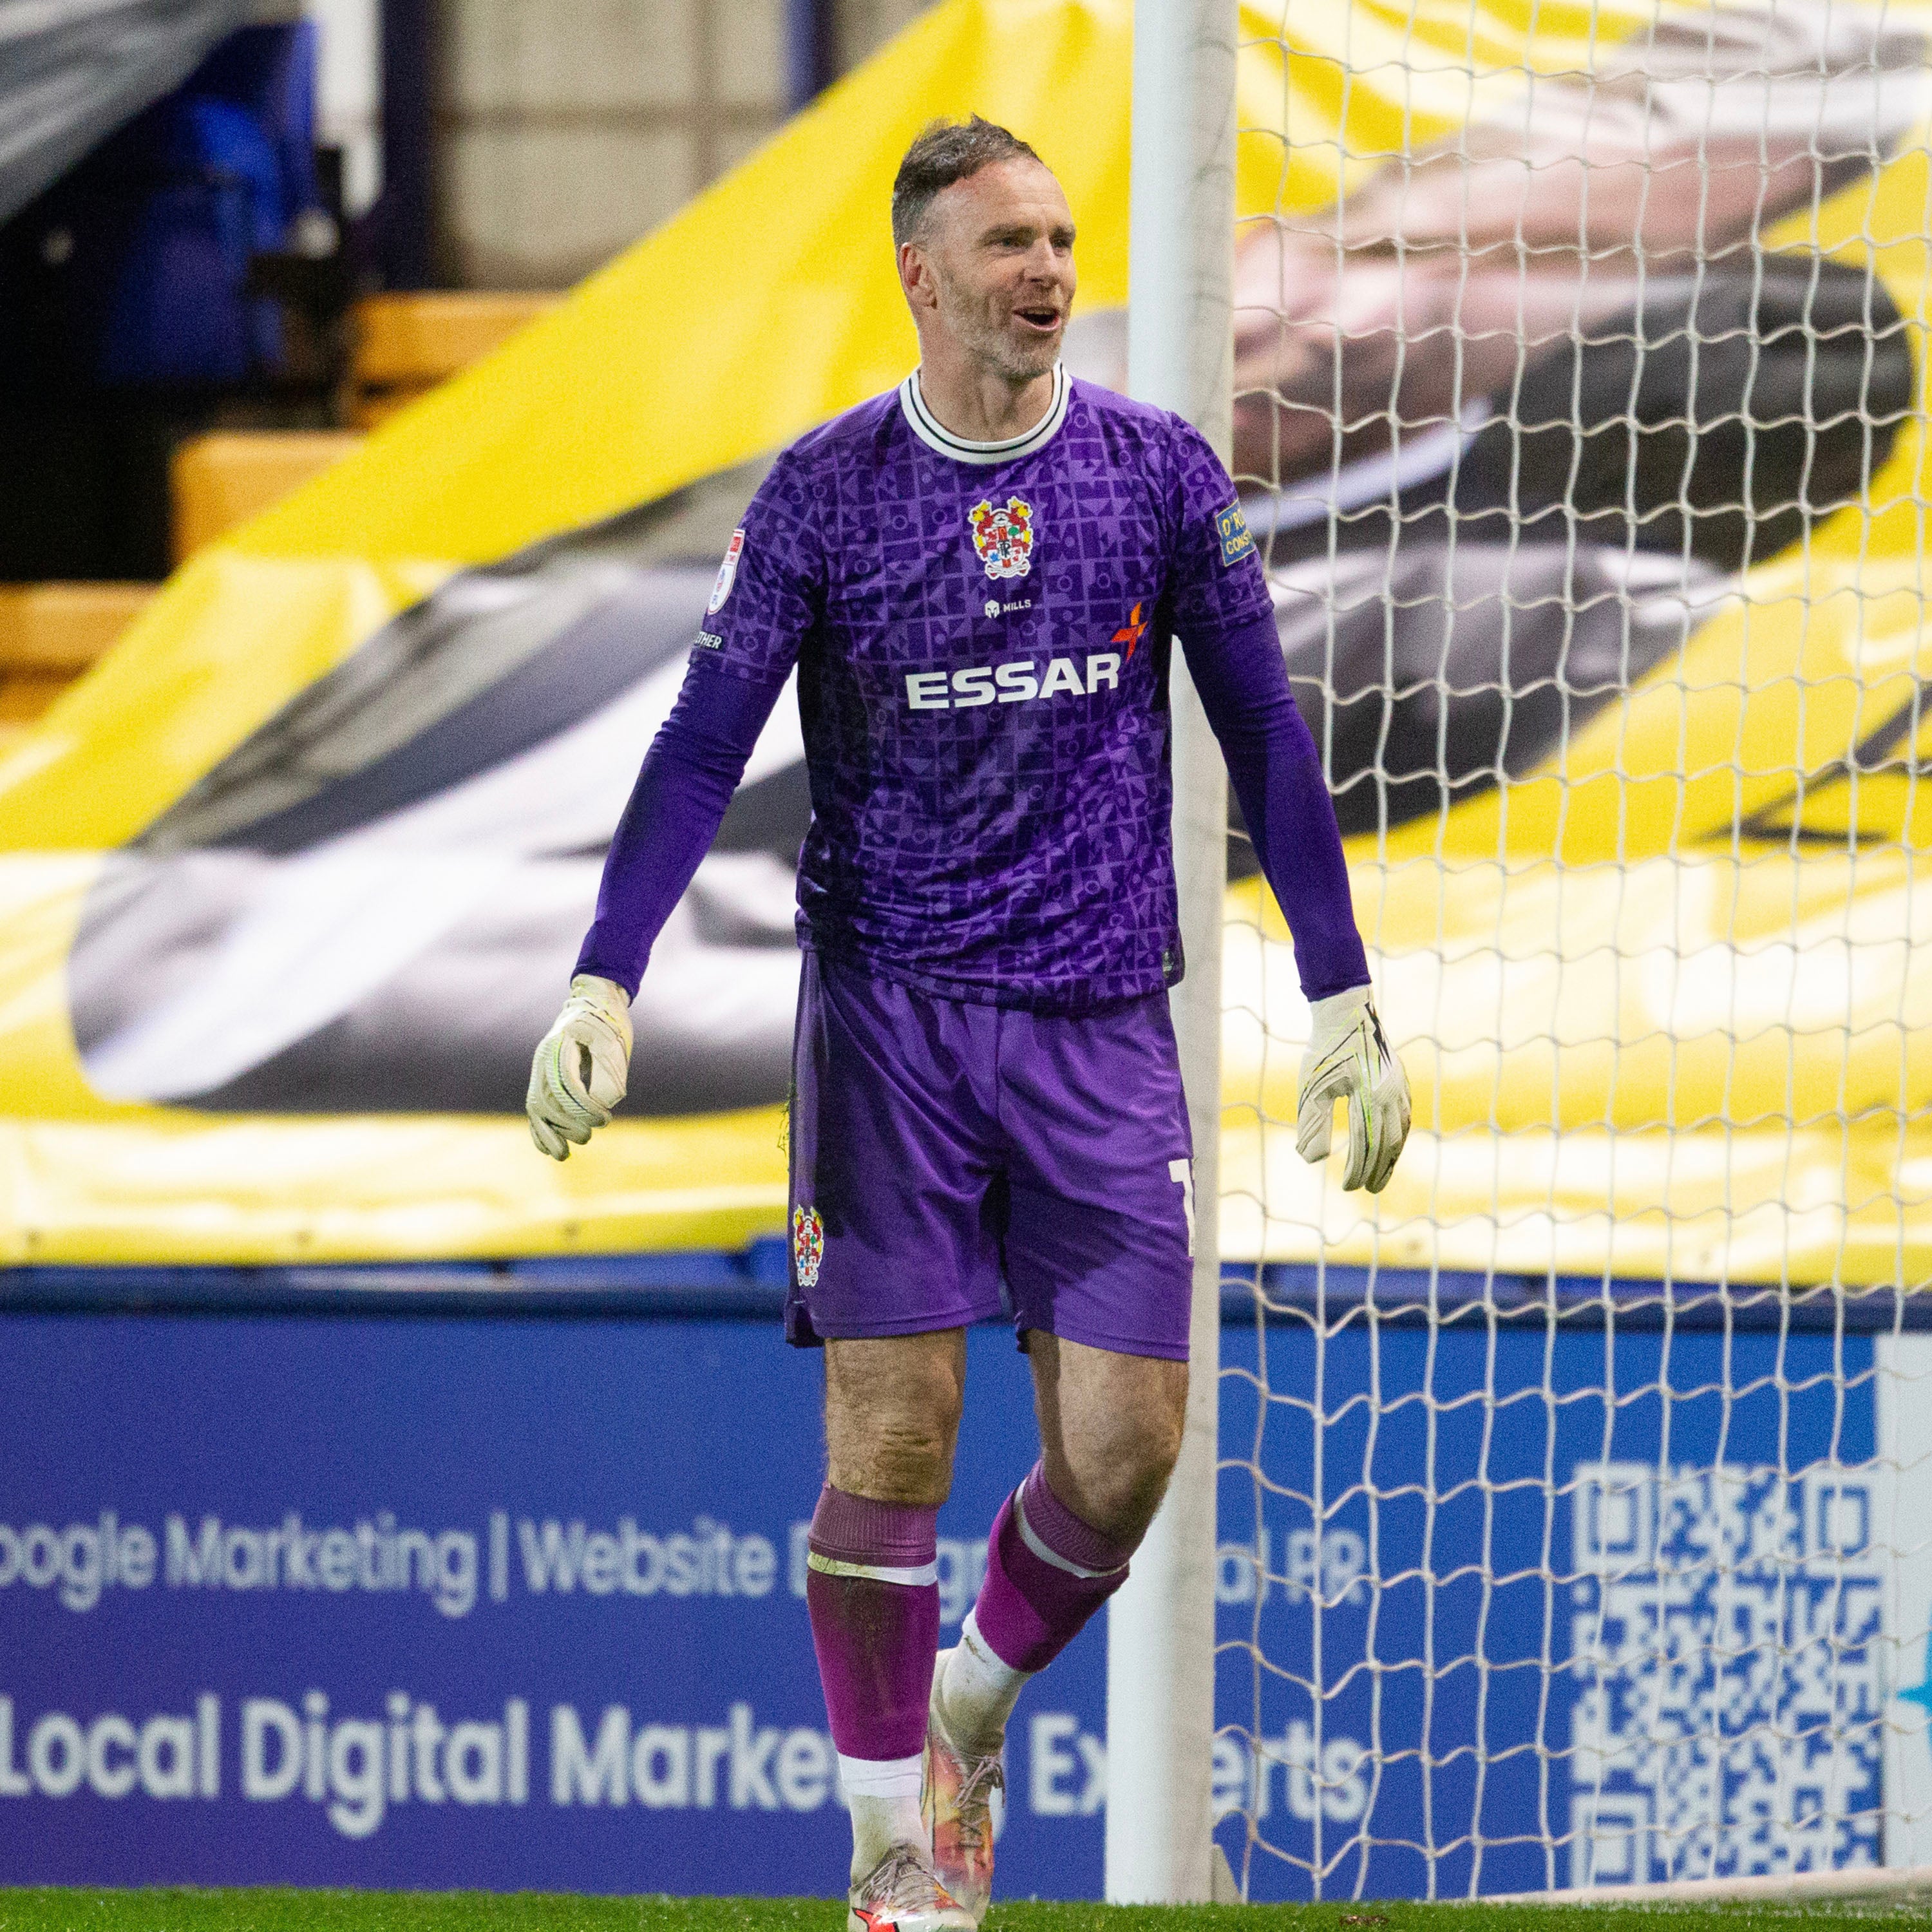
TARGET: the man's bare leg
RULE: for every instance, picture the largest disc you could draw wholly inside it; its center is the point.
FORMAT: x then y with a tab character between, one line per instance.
891	1418
1109	1431
892	1415
1110	1428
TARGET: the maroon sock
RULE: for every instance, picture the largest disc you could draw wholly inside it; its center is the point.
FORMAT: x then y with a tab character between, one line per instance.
871	1587
1047	1573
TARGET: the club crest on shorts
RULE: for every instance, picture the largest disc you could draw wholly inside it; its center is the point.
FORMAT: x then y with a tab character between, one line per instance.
807	1245
728	572
1003	537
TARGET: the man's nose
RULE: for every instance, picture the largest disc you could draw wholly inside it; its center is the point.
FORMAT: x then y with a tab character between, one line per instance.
1042	266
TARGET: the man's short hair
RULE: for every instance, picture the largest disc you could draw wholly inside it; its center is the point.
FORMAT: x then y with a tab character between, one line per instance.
946	151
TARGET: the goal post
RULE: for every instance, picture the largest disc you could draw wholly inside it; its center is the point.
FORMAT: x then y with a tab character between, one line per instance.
1160	1629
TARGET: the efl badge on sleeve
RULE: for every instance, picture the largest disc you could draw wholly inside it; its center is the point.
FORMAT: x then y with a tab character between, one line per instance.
1003	537
807	1245
727	570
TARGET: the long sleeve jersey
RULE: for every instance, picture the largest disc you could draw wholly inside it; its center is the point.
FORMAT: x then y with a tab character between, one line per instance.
981	633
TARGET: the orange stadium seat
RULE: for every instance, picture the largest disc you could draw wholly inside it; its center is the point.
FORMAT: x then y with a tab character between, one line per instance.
49	634
406	344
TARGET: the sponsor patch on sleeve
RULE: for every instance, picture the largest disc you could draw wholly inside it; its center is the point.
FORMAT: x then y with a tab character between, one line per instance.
710	640
1236	543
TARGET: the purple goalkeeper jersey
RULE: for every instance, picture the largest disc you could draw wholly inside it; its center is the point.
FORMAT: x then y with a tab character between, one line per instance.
981	633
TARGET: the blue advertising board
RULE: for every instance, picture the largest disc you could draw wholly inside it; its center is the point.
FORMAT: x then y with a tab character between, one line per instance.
432	1603
1577	1609
518	1603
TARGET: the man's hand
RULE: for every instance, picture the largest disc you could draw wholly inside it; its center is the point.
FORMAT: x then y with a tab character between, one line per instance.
1348	1059
578	1075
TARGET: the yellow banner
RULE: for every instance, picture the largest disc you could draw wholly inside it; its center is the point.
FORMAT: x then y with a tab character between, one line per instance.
1580	363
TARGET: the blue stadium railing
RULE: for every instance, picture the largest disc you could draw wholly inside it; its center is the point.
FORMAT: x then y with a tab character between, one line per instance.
750	1284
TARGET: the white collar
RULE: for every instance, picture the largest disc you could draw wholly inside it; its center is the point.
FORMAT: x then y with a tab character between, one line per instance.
935	435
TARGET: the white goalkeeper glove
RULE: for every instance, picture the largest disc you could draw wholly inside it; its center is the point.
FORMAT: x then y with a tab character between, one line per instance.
1348	1059
579	1073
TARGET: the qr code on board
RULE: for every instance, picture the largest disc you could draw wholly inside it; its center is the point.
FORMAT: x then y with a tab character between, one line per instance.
1725	1633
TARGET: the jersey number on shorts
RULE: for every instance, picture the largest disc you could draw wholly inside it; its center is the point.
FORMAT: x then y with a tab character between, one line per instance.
1182	1173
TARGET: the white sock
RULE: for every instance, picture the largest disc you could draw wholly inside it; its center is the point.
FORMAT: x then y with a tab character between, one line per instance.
884	1795
977	1694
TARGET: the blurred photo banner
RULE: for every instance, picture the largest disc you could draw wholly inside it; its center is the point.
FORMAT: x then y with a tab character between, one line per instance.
1593	512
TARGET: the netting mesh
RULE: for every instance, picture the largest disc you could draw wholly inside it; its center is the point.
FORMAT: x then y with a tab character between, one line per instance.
1578	413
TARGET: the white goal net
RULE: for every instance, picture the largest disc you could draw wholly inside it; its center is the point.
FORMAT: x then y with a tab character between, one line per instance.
1574	1504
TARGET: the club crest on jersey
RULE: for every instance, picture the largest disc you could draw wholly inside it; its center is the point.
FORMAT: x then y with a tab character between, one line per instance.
728	572
807	1245
1003	537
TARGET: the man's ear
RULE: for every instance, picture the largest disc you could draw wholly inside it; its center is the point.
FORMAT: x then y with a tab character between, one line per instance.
915	276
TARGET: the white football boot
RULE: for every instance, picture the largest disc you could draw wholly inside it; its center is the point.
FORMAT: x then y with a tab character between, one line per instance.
903	1891
961	1798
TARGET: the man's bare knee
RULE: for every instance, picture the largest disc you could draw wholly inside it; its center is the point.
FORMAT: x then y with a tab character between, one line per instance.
1128	1479
1110	1427
892	1415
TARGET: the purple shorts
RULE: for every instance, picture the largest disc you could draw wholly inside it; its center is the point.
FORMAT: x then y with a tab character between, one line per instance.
941	1149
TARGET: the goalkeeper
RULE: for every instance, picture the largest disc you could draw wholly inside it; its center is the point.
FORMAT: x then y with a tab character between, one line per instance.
977	576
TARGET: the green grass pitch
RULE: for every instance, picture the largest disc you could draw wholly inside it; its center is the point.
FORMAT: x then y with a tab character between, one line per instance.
62	1910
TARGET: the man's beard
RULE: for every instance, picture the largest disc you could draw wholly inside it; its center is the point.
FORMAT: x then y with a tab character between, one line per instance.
1014	361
